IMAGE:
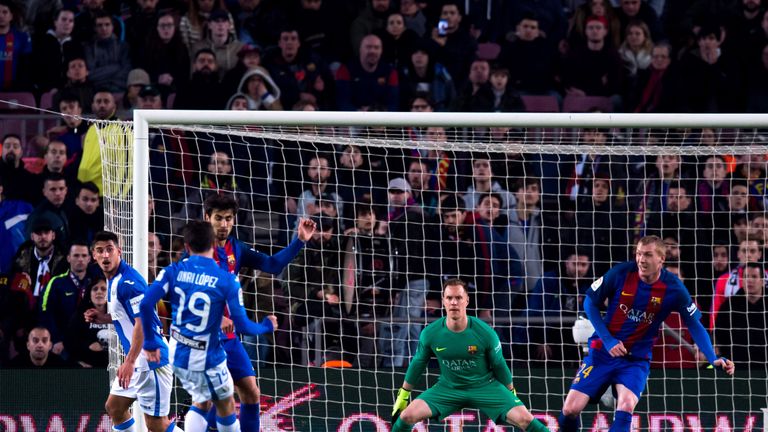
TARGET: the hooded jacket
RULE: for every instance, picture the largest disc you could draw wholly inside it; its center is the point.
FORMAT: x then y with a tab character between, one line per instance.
271	100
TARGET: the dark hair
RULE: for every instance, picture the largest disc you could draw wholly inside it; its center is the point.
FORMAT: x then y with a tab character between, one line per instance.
456	281
102	14
490	195
68	96
53	141
53	177
220	202
58	12
204	51
755	265
89	186
677	184
105	236
11	135
79	242
199	236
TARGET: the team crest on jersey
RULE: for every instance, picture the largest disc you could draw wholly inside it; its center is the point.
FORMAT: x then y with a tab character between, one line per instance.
472	349
231	260
655	301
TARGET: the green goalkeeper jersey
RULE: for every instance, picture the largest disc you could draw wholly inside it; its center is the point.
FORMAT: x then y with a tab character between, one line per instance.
468	358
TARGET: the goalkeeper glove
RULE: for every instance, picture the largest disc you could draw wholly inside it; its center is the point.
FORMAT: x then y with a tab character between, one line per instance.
401	402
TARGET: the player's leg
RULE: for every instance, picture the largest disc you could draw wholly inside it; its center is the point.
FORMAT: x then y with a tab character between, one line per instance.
625	405
574	404
502	405
154	396
196	418
630	383
204	386
591	380
415	412
117	408
244	376
226	420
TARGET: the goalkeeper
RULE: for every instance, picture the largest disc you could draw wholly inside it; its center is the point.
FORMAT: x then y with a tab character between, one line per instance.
473	373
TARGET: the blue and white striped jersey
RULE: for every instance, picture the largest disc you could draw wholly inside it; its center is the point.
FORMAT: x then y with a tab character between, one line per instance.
198	290
126	290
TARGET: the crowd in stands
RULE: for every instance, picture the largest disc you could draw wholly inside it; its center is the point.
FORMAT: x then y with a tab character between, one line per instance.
529	232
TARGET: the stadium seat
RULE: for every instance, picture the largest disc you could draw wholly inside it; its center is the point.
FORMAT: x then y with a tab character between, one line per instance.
46	100
488	51
541	103
587	103
9	101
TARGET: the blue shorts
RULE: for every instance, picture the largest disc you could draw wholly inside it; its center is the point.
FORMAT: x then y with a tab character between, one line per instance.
600	370
238	363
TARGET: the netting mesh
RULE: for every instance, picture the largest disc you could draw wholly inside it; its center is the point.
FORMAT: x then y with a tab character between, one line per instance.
528	217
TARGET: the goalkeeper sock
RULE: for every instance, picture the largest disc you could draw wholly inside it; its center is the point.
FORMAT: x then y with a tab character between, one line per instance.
622	421
536	426
568	424
126	426
211	418
401	426
195	420
228	423
249	417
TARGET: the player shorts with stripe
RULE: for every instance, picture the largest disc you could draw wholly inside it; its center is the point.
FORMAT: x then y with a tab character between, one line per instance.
493	399
151	388
211	384
600	371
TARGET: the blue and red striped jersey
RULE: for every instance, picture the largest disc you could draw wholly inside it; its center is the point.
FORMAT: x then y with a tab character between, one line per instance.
636	309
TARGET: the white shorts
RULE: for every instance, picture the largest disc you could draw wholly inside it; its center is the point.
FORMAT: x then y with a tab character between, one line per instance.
152	388
211	384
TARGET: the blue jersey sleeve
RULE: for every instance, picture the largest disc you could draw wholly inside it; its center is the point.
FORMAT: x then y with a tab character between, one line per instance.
271	264
606	286
154	293
237	312
130	293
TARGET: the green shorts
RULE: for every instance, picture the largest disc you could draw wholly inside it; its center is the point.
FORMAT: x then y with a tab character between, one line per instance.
493	399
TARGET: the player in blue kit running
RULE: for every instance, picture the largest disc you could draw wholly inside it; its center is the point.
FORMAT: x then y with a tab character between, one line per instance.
231	255
640	295
138	378
199	290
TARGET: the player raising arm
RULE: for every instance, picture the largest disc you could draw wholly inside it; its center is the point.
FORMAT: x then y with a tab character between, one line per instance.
473	372
198	290
640	296
231	254
148	380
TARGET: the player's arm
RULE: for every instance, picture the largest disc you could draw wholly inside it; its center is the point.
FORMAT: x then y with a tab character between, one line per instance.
239	317
596	294
125	371
692	318
154	293
498	363
593	314
276	263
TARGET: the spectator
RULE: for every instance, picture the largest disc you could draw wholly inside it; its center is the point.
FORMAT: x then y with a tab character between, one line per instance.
456	49
368	82
55	160
220	41
550	13
371	20
594	68
14	72
704	78
600	8
317	183
651	192
313	280
729	284
89	170
745	22
631	10
414	17
51	50
525	230
137	79
477	94
39	355
757	89
422	75
407	233
324	28
587	166
73	127
13	227
85	21
149	97
16	179
156	260
107	57
250	59
505	96
86	217
558	294
420	179
712	190
740	328
708	271
62	296
736	206
76	82
193	24
35	262
89	342
260	90
203	90
258	22
647	92
483	182
397	40
165	58
52	207
636	49
530	58
138	26
353	176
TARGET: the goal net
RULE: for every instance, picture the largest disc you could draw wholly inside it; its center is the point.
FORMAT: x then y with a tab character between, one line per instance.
528	209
